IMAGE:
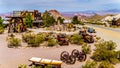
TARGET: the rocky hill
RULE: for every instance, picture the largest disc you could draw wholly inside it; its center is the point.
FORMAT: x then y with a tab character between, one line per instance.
111	17
67	16
57	14
108	19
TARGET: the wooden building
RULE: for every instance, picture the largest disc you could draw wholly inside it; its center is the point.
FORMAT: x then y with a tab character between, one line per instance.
17	20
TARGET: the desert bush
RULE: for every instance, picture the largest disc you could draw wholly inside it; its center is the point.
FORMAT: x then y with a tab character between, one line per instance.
85	27
47	28
118	55
106	45
1	30
32	43
13	42
44	34
33	40
114	60
36	41
29	31
105	52
106	55
97	23
39	38
27	37
51	42
76	39
114	26
90	64
48	66
86	49
101	55
105	64
22	66
98	38
33	66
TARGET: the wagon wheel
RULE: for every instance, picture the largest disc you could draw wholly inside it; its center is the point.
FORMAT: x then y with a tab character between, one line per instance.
85	56
75	53
64	56
82	57
71	60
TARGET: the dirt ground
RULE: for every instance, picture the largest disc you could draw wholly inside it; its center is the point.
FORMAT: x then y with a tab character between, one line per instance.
12	57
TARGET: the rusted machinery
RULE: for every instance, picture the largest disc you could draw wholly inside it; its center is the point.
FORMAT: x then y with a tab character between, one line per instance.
71	59
62	39
16	24
87	37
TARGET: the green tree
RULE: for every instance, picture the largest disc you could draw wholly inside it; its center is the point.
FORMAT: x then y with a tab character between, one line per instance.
28	20
1	25
51	20
60	19
45	17
1	22
48	20
76	21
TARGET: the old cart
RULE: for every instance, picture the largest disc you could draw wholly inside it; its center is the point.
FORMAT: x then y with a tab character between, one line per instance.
44	62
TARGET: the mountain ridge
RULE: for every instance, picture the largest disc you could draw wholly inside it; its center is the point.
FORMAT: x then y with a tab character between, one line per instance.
73	13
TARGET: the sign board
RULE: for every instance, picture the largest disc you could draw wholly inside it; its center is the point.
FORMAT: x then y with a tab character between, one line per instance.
16	13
